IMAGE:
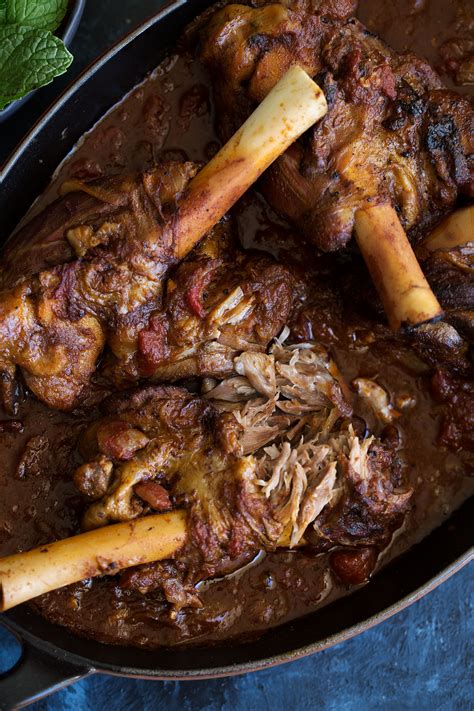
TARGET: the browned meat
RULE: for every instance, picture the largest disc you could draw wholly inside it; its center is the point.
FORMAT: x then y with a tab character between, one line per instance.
451	275
441	343
185	455
450	271
94	479
370	505
313	483
94	271
169	576
218	302
392	131
80	273
457	426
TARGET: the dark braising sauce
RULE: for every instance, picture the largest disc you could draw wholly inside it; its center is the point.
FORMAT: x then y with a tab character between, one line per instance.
441	31
171	115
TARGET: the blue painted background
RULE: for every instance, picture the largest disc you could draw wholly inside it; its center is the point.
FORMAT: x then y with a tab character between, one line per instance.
420	659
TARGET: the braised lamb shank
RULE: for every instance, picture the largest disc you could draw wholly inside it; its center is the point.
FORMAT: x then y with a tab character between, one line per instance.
89	272
392	135
86	271
264	459
261	450
392	132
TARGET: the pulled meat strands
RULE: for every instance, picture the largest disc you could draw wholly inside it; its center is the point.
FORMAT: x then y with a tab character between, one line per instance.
103	552
125	232
392	136
278	394
290	392
219	301
312	483
406	295
312	471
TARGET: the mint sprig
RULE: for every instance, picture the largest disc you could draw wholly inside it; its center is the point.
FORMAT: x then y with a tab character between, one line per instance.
30	55
43	14
29	58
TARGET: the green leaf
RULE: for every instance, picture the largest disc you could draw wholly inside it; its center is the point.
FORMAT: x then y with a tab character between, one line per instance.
43	14
29	58
3	11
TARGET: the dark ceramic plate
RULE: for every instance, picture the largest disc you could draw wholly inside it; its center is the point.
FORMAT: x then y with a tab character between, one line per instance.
52	657
66	32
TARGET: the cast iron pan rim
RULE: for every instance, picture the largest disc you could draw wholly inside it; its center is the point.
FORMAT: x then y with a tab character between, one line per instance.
68	29
91	665
89	71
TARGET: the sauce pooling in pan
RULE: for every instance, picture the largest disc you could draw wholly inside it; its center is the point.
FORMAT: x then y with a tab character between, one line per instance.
171	115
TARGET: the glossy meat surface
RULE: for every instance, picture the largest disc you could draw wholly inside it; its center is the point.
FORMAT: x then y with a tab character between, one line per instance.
218	302
90	272
392	131
158	606
77	275
259	462
449	269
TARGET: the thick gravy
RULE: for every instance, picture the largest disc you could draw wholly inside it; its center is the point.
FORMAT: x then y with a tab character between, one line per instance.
171	115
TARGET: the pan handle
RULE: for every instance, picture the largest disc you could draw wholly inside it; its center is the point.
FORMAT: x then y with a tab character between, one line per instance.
35	675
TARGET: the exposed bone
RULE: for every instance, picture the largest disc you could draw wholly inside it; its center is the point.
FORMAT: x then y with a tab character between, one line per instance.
377	397
406	295
456	230
59	354
295	478
291	107
104	551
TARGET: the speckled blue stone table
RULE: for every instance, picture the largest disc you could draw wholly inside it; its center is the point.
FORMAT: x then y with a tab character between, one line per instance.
420	659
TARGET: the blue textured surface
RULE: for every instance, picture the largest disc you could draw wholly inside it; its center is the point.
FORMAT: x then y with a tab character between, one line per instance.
420	659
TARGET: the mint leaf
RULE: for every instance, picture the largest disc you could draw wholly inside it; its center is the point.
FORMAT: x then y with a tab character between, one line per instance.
29	58
43	14
3	11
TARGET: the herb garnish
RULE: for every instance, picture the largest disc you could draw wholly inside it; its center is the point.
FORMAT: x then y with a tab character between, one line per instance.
30	55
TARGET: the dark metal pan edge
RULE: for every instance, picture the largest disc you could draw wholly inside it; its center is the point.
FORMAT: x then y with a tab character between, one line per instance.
84	664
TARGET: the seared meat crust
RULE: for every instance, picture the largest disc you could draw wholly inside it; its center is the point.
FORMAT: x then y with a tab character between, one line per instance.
161	447
218	302
79	273
392	131
95	268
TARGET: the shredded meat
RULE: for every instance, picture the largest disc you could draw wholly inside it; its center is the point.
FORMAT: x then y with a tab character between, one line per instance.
314	483
94	267
218	302
378	399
